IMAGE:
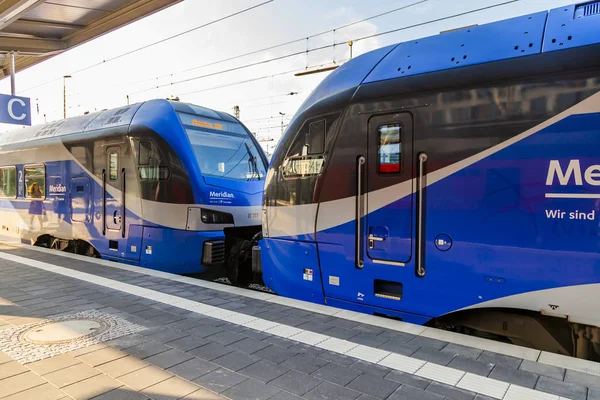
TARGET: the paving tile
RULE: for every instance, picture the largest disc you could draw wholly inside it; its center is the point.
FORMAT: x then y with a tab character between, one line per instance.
126	342
145	377
275	354
220	380
370	368
187	343
236	360
315	326
42	392
328	390
336	373
204	330
202	394
432	355
279	341
185	325
500	359
399	347
374	386
307	350
91	387
565	389
367	397
340	333
172	388
423	341
225	338
122	393
193	368
11	369
4	358
249	345
304	363
543	369
369	339
264	371
583	379
451	392
211	351
71	375
122	366
474	366
463	351
102	356
406	392
89	349
337	358
516	376
52	364
251	390
408	379
147	349
169	358
253	333
296	382
165	335
593	394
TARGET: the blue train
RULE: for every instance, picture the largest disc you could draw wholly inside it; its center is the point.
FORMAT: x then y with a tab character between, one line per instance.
161	184
452	181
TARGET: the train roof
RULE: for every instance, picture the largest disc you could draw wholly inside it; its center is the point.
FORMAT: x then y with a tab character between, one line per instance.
113	118
558	29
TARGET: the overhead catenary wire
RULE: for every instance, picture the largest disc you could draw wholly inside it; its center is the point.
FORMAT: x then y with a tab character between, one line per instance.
355	40
228	16
321	48
285	43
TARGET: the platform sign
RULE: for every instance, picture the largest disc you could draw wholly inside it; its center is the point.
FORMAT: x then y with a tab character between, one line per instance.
15	110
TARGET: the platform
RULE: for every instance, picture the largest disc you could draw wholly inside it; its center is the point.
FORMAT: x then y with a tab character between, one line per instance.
162	336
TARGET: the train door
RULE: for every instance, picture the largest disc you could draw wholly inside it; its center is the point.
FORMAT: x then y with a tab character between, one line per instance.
389	187
114	199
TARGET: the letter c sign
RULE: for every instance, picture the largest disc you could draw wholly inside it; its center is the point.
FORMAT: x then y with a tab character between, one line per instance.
15	110
11	110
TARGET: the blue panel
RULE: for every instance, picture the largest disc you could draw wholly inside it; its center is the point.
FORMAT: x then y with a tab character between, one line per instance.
300	278
572	26
15	110
158	244
515	37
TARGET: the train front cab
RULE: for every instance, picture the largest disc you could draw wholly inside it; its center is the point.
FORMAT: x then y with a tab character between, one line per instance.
429	199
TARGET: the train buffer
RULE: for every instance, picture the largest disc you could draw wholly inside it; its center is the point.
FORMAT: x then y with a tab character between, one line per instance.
76	327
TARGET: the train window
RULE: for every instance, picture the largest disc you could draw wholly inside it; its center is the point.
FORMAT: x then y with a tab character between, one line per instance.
315	138
390	148
145	152
113	166
8	182
302	167
154	173
35	181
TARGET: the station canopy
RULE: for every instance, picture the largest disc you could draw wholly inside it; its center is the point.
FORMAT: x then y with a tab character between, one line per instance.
40	29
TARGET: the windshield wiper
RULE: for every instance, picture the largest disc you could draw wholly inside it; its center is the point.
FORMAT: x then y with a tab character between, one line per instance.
252	166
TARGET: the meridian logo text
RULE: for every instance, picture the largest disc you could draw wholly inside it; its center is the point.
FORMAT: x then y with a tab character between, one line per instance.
221	195
591	174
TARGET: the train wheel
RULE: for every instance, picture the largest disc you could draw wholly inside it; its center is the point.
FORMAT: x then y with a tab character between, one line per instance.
239	264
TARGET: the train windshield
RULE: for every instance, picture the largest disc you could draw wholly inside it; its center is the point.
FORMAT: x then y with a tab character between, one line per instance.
224	150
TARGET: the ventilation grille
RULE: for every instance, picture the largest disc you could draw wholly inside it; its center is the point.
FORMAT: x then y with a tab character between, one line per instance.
213	253
586	10
50	129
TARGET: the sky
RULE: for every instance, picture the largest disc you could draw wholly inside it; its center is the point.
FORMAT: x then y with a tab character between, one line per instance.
178	67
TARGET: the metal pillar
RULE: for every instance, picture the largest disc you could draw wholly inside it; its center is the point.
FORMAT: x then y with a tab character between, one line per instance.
13	87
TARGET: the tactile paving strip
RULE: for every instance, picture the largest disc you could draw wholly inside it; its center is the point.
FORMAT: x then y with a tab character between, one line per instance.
15	343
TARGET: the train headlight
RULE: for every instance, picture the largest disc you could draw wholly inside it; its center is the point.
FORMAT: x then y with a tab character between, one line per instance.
215	217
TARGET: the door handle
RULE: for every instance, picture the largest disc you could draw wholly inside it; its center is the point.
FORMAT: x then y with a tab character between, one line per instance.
116	218
359	262
373	239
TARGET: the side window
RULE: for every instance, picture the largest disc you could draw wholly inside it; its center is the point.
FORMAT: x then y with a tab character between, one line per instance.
390	149
8	182
35	181
315	139
113	166
150	162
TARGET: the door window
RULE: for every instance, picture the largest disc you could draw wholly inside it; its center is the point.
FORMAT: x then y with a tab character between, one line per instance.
390	148
113	166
